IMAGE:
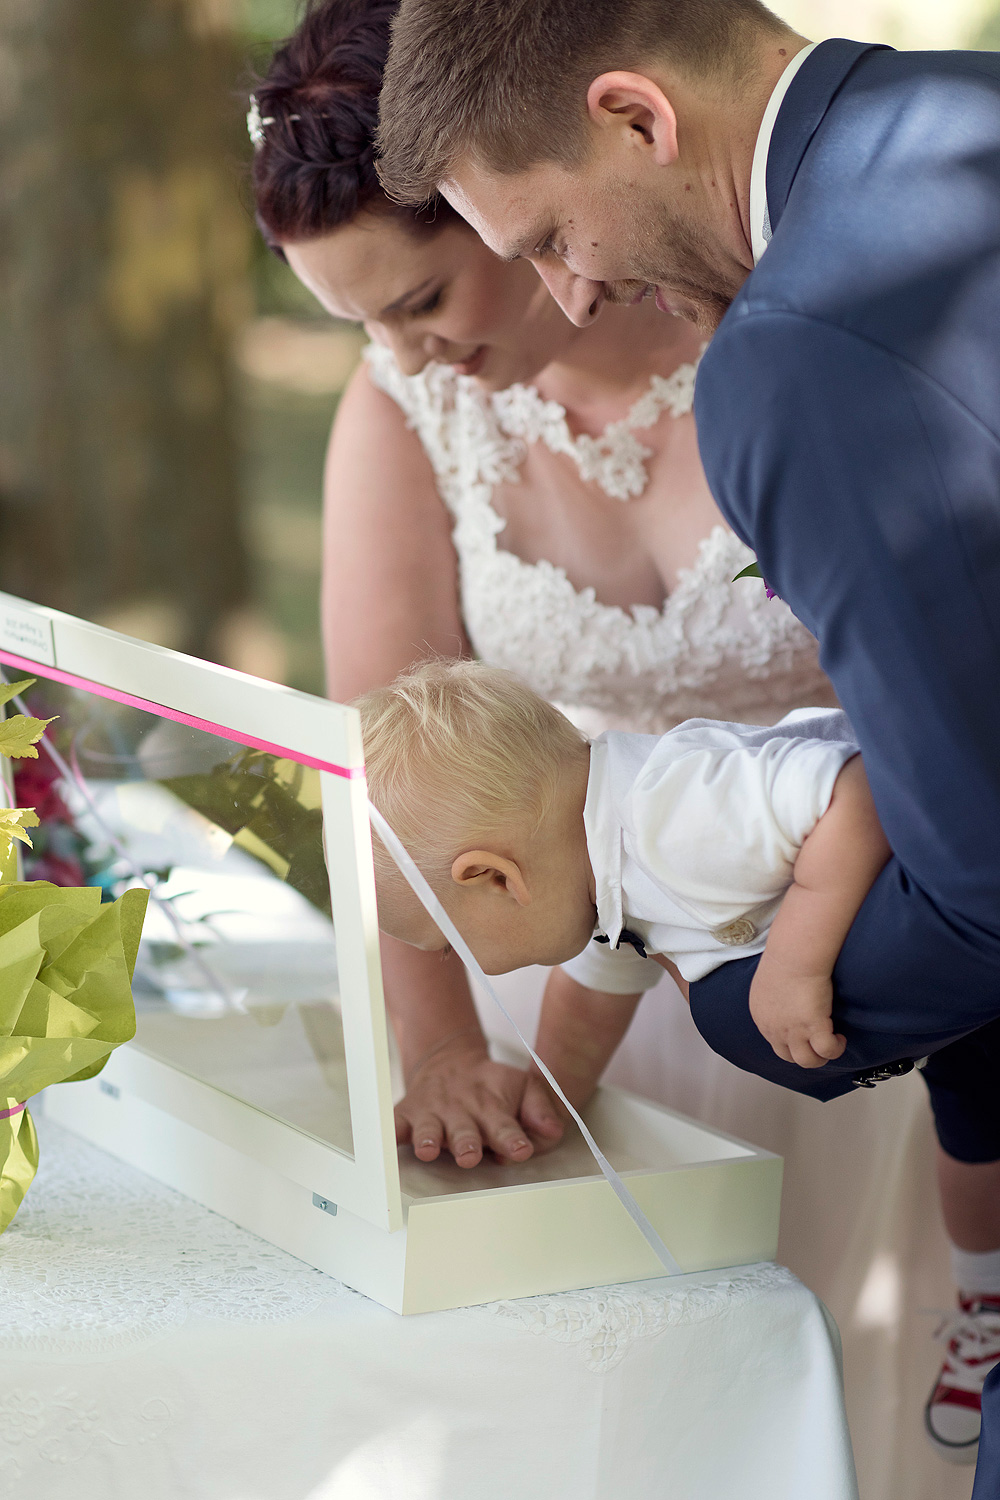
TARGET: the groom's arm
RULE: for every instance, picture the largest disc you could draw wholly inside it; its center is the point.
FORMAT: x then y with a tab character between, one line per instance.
872	500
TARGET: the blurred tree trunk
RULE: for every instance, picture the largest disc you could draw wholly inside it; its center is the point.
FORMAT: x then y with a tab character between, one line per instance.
123	249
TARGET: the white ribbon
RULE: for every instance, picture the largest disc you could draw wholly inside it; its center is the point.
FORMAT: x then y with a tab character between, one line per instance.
436	911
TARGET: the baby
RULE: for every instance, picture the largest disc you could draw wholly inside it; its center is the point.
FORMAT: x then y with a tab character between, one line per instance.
711	842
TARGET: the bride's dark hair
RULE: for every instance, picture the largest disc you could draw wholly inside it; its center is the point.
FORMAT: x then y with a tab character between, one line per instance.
317	112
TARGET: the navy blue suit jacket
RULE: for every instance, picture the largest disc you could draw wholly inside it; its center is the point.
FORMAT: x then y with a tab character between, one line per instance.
849	419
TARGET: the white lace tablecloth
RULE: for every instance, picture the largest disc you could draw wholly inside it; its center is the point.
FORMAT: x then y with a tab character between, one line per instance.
153	1351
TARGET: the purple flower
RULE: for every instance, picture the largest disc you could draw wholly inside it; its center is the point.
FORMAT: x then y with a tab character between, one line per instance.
753	571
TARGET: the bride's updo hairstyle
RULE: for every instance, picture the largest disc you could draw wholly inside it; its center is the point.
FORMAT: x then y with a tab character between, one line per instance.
312	120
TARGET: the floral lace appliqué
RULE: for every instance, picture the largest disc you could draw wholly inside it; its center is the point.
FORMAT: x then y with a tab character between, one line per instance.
101	1257
604	1322
66	1426
616	460
716	649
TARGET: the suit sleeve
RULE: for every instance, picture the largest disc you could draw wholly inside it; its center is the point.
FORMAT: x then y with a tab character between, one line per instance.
872	500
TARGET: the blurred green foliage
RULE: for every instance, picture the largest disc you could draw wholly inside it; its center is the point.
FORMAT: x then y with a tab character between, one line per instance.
284	431
284	441
269	20
276	290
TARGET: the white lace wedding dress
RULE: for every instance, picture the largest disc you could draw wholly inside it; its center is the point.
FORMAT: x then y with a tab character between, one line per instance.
716	649
858	1173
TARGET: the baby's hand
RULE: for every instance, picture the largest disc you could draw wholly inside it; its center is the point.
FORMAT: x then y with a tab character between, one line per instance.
460	1101
793	1013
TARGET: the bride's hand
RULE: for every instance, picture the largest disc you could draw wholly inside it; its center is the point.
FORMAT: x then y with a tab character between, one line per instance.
459	1100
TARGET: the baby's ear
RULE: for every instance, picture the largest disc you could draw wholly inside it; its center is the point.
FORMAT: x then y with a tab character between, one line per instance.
491	872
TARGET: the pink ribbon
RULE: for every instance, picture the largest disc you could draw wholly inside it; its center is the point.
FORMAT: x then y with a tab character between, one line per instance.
5	1114
69	679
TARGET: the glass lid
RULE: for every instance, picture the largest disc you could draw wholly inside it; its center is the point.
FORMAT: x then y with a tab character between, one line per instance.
236	982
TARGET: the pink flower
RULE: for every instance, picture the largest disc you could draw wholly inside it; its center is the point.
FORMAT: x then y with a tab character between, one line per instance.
35	785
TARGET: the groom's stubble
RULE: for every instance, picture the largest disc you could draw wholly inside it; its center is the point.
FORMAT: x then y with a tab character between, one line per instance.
662	249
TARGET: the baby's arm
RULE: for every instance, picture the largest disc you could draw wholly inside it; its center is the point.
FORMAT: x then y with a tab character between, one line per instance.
578	1031
791	997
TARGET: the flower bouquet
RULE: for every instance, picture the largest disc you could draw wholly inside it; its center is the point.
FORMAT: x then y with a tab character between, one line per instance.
66	964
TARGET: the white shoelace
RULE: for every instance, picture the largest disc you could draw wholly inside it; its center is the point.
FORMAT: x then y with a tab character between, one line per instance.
973	1347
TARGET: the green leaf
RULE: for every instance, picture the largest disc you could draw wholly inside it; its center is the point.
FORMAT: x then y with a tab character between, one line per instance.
13	823
9	690
19	736
751	571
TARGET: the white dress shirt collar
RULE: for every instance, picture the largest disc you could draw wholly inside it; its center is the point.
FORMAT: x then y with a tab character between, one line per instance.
604	842
760	220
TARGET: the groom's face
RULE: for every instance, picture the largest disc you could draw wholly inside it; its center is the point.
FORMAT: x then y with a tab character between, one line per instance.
606	231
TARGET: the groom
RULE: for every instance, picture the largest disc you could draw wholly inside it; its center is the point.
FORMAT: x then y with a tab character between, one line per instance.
849	416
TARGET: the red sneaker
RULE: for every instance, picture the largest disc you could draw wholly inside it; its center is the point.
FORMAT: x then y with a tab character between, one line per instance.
952	1416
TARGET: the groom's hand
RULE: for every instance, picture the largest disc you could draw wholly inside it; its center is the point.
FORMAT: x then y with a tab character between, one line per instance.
794	1015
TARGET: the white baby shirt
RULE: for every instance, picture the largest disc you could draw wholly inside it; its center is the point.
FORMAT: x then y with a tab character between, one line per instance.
693	837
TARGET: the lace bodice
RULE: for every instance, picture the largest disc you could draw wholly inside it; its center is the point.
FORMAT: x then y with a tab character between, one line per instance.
714	650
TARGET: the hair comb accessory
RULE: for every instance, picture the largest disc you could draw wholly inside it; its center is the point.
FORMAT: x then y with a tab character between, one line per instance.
256	123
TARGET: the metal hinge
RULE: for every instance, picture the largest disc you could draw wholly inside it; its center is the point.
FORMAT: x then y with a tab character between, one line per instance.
324	1204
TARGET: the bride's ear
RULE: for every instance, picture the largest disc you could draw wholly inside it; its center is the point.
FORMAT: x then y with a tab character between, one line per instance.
638	109
478	867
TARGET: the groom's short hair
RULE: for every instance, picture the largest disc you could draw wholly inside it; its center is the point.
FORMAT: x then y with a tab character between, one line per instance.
505	81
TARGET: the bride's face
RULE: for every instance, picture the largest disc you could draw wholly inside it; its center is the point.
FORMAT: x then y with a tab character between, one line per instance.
436	295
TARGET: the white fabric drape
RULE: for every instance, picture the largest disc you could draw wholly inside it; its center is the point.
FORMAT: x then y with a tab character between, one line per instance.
860	1225
150	1350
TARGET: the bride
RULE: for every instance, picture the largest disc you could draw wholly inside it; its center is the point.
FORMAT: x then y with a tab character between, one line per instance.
495	486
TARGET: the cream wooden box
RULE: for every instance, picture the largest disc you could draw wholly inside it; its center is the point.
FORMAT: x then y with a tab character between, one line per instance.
259	1082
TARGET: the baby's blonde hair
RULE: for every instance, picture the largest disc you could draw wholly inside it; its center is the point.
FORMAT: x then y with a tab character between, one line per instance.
456	751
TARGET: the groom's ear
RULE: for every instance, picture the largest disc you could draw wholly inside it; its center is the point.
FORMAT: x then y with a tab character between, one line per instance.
639	109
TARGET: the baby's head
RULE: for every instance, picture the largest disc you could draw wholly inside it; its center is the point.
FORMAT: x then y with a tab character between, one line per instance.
484	782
